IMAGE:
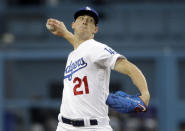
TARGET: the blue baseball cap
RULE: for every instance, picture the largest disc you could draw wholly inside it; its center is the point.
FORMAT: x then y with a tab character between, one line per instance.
87	11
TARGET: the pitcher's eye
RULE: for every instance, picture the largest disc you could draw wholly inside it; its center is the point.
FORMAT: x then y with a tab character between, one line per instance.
81	18
91	20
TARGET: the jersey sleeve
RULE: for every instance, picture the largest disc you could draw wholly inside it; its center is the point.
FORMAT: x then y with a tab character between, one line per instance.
105	56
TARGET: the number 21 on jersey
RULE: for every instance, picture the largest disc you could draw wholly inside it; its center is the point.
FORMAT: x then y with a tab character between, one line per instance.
78	83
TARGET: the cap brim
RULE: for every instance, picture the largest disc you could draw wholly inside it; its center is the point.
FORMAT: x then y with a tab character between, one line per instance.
86	12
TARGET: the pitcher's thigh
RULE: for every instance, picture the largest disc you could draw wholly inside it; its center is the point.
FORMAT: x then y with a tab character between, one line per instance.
64	127
102	129
107	128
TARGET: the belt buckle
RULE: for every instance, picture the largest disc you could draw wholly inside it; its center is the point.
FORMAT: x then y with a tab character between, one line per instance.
78	123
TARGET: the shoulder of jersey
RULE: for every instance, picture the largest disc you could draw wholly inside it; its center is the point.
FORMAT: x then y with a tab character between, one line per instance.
97	44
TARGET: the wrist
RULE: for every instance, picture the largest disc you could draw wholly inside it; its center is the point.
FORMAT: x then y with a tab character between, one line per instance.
145	97
66	35
145	93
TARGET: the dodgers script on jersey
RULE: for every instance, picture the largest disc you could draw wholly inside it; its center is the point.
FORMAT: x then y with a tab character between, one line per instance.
86	81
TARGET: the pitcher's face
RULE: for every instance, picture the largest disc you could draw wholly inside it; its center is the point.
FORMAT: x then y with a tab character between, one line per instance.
85	25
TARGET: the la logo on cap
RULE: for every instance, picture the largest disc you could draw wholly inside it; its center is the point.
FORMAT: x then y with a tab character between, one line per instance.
87	8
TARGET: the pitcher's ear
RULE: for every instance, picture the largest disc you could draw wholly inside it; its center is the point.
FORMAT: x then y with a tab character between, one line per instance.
96	30
72	25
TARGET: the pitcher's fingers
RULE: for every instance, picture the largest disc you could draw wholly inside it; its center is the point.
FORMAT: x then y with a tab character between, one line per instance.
54	21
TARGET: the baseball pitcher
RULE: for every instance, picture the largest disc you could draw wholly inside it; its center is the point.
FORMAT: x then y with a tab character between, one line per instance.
86	94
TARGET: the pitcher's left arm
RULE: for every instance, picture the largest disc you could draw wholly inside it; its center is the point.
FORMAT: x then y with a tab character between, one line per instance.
123	102
126	67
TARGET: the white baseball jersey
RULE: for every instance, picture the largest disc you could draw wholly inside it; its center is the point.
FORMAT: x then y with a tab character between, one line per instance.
86	80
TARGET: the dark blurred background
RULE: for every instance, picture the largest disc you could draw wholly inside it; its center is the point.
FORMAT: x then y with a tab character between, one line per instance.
150	33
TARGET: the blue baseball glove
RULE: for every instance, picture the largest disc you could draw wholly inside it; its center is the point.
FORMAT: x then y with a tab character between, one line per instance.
125	103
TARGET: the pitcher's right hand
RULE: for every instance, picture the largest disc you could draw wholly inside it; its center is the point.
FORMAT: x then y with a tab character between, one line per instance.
56	27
